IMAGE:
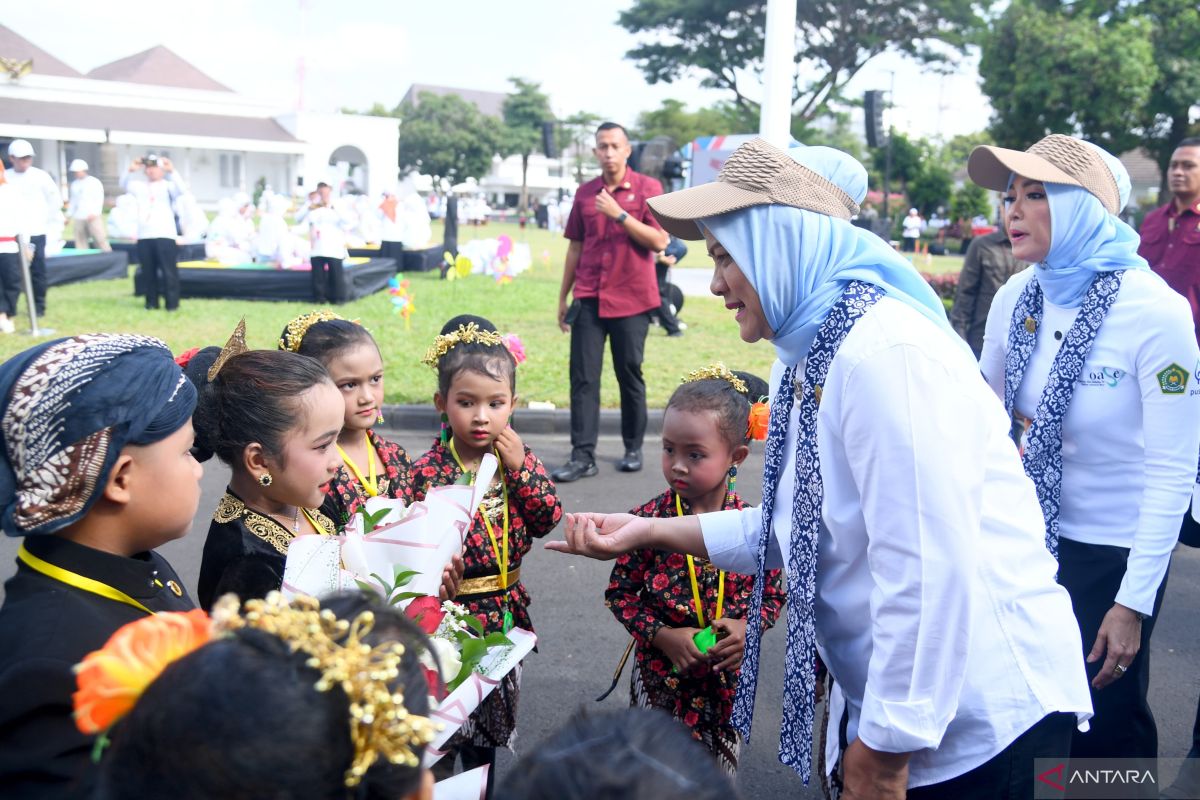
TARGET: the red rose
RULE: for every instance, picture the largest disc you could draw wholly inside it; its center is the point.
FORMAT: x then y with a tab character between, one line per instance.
675	561
426	612
429	472
691	718
436	688
659	582
629	612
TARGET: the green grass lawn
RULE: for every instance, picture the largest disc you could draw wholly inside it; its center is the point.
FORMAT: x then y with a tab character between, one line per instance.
527	307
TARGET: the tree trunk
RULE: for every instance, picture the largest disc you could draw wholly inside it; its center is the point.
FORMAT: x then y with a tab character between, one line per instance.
524	185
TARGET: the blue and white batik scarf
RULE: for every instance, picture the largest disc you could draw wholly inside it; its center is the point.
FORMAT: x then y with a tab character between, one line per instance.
795	739
1043	443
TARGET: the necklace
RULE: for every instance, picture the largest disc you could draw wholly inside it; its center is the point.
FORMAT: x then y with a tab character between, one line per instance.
371	483
691	562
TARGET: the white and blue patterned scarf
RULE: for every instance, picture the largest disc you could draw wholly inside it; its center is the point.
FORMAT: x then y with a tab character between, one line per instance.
795	738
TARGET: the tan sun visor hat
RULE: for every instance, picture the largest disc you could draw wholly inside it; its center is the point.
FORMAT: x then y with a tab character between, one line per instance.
756	174
1055	159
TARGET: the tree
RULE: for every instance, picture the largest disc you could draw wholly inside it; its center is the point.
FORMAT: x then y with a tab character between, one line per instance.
681	126
931	188
721	41
907	159
445	136
580	130
524	112
1167	114
969	201
1047	70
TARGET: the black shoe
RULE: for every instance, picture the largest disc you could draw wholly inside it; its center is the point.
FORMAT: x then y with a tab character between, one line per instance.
675	333
573	470
632	462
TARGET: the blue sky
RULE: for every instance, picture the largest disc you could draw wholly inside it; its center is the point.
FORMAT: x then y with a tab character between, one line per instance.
358	52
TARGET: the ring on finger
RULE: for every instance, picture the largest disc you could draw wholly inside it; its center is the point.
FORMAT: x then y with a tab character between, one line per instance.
1119	670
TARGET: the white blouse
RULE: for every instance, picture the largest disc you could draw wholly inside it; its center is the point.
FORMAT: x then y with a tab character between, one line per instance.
936	609
1132	432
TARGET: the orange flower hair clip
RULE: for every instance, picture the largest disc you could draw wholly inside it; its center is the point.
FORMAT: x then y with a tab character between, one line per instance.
112	678
758	421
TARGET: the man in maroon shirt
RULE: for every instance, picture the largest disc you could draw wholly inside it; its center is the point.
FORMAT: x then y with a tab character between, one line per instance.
610	271
1171	233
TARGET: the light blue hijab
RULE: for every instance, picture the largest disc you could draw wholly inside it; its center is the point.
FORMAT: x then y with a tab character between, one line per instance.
1085	239
799	262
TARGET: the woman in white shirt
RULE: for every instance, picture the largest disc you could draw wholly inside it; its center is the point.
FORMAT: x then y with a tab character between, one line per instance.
13	223
1100	355
912	539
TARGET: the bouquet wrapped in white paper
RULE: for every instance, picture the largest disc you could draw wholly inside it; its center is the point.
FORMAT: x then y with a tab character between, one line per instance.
388	539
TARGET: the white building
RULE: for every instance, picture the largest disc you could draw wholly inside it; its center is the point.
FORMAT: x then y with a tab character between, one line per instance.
155	102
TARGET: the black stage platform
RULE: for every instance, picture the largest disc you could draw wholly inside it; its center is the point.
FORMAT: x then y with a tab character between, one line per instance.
264	282
73	266
422	260
191	251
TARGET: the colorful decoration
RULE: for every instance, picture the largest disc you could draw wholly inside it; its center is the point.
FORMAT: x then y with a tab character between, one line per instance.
112	678
516	347
402	299
760	414
459	267
504	247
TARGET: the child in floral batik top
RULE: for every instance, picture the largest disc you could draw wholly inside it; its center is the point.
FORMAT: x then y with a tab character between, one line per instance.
687	618
476	396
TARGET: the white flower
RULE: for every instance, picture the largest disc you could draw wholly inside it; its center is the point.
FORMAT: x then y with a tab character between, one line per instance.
448	659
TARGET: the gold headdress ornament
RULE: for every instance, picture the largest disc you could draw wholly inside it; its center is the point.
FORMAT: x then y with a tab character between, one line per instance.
235	346
380	725
717	371
293	334
112	678
464	334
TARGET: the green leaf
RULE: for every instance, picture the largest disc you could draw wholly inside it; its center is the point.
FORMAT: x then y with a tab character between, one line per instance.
407	596
371	519
370	588
404	576
497	640
472	622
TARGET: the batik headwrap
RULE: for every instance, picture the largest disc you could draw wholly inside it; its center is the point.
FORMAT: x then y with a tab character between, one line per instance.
67	407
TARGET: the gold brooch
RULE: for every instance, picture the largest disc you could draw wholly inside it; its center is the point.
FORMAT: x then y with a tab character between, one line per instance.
1031	324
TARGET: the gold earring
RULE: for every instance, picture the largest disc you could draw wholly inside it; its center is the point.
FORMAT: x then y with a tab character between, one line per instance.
265	479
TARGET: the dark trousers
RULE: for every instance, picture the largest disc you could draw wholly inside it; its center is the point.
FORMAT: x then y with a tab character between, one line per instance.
1124	725
10	283
627	342
37	273
666	317
326	279
160	267
1010	774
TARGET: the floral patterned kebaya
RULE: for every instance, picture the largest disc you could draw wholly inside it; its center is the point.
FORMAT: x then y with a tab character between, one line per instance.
533	510
345	495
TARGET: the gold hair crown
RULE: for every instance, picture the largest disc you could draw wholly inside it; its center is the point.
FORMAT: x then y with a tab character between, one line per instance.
380	725
464	334
235	346
717	371
293	334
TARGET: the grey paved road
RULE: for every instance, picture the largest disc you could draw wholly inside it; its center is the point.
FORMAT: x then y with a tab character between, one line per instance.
580	641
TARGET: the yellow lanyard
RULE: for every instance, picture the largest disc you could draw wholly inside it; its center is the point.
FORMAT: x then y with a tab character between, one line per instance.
371	484
696	585
75	579
500	553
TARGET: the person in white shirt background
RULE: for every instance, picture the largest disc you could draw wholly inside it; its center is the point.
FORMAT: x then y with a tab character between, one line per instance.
157	230
911	230
1100	354
327	235
14	223
44	206
914	547
85	207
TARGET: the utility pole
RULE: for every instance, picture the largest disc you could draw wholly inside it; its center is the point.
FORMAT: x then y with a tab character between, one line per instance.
887	162
779	73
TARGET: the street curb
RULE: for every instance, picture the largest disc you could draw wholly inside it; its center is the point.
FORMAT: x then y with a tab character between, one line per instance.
531	420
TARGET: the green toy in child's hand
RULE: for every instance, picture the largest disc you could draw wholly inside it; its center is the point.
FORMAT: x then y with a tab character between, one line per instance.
705	639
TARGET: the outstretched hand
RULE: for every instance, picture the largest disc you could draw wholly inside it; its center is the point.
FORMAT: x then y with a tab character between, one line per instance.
602	536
